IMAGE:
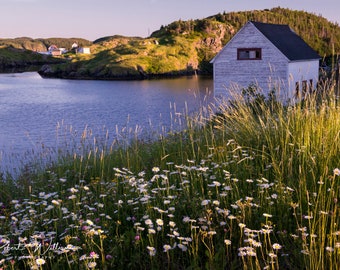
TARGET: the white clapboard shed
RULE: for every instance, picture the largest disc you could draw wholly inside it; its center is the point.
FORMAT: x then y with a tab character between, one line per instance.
271	56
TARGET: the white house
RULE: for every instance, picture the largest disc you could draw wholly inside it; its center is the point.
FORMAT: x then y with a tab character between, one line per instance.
74	46
84	50
271	56
55	51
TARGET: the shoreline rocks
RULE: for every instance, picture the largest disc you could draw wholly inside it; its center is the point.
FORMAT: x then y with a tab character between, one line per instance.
48	71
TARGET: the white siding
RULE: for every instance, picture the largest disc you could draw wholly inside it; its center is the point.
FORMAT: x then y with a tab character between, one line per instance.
84	50
300	71
267	73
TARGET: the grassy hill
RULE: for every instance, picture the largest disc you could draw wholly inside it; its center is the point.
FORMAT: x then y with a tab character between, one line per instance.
21	53
180	48
40	44
14	59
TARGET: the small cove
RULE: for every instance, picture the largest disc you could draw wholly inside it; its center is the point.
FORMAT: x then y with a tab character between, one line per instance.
39	116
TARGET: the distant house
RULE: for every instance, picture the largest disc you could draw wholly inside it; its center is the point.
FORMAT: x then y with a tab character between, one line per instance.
55	51
53	48
84	50
271	56
74	45
63	50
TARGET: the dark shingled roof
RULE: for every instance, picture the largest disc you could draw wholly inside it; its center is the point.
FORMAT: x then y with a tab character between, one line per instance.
287	41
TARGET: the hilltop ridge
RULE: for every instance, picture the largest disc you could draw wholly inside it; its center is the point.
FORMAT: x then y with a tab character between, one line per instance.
179	48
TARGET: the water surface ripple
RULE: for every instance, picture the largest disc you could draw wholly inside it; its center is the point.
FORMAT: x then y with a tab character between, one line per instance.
38	114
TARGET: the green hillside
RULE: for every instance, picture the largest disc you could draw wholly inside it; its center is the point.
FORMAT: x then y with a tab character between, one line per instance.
182	47
317	31
15	60
21	53
40	44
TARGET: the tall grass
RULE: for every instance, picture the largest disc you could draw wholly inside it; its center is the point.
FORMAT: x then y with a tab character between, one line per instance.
301	144
255	186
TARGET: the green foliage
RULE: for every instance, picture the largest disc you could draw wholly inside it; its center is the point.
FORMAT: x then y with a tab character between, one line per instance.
40	44
20	59
319	33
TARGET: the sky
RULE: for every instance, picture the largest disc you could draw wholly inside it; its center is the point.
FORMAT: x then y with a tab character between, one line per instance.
92	19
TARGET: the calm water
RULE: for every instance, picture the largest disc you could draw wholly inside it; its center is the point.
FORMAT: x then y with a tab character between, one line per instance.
38	114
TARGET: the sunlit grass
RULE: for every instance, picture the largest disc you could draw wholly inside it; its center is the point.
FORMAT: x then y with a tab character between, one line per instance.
255	186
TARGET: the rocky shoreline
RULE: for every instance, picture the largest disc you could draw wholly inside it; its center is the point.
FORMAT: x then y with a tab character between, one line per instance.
49	71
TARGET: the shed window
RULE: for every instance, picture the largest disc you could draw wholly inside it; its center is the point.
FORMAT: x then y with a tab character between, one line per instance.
249	54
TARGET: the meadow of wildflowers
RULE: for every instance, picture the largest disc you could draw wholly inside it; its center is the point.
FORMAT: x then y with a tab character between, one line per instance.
256	187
